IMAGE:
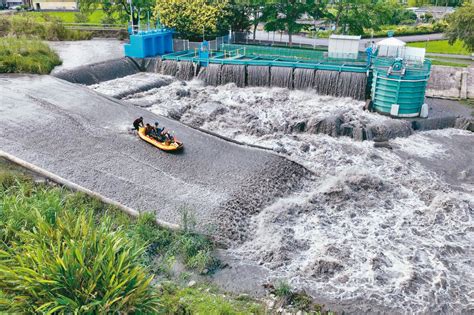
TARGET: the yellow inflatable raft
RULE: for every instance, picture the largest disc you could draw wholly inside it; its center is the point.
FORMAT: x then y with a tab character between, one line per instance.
165	146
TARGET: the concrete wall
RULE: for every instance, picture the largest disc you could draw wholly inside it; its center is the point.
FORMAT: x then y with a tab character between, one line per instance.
54	5
451	82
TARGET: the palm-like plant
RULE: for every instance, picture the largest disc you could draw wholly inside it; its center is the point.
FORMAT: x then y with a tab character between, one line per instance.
74	265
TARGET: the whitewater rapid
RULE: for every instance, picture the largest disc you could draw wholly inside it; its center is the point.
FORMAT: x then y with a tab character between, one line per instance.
386	230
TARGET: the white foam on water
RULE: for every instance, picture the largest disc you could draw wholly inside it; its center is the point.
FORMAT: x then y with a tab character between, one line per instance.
421	145
129	83
374	226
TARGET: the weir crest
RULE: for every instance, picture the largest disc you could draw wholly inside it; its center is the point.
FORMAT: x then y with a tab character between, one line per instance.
325	82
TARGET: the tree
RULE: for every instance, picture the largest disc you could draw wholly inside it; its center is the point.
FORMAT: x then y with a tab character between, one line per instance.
238	16
461	26
317	10
391	12
352	16
253	9
119	9
284	16
193	19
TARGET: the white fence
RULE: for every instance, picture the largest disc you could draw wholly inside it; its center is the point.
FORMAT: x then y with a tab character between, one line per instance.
215	44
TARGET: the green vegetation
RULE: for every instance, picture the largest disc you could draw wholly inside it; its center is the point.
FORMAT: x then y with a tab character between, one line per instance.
405	30
438	62
461	26
26	25
96	16
204	300
282	289
65	252
118	12
420	3
441	47
296	300
19	55
193	18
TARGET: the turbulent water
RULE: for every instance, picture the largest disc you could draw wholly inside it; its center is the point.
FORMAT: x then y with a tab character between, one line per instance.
373	229
335	83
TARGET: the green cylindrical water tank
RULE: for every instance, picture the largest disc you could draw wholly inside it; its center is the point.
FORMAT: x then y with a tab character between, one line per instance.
398	87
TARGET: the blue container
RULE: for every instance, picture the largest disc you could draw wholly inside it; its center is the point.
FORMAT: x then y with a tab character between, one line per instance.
150	44
398	89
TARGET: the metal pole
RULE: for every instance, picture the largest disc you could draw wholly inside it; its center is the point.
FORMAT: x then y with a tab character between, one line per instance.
131	15
139	19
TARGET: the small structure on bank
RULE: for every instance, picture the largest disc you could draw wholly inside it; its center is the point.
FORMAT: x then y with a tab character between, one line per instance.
343	46
150	43
400	76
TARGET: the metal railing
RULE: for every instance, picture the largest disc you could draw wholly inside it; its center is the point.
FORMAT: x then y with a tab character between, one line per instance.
94	27
273	39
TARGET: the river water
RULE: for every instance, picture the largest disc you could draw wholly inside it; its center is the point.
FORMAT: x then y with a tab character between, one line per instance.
374	229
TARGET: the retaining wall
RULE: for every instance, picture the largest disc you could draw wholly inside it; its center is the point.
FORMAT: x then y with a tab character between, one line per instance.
451	82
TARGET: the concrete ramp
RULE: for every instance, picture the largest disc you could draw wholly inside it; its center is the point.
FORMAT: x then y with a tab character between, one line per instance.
99	72
84	137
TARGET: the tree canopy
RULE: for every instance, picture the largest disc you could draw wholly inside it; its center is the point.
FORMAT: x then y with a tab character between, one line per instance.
461	26
119	9
194	19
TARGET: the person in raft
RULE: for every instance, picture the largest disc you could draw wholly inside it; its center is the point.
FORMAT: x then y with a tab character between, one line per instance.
137	123
160	134
149	130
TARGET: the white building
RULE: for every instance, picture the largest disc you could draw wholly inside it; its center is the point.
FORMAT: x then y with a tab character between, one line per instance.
343	46
437	12
54	5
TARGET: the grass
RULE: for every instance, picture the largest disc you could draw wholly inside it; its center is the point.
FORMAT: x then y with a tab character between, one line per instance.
437	62
66	252
205	300
66	17
441	47
96	17
24	25
20	55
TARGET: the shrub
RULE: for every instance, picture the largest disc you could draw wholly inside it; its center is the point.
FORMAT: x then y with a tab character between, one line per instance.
80	17
69	263
440	26
19	55
194	249
282	289
108	19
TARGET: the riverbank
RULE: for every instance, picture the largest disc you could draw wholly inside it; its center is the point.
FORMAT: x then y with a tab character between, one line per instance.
20	55
149	252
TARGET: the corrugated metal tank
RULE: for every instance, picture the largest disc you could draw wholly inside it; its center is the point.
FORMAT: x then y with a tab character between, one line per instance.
398	83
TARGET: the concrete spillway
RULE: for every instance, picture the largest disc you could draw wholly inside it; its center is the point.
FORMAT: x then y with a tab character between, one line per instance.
324	82
84	137
99	72
335	83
